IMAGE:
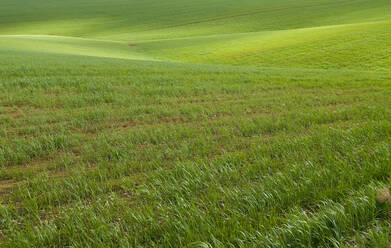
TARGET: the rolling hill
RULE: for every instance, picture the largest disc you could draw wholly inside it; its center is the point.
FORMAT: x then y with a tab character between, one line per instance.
309	34
220	123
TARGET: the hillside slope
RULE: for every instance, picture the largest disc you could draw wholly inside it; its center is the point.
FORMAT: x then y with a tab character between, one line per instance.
344	34
124	19
202	123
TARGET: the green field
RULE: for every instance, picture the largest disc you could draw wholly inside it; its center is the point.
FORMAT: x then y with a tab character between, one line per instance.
219	123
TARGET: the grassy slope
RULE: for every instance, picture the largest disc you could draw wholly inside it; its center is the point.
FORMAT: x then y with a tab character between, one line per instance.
355	46
101	145
266	33
123	19
69	45
160	154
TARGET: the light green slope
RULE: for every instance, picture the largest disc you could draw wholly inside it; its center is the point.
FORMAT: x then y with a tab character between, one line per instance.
353	46
363	46
321	34
69	45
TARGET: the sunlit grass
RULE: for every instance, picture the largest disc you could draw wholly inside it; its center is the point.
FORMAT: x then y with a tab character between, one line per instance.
160	154
195	123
